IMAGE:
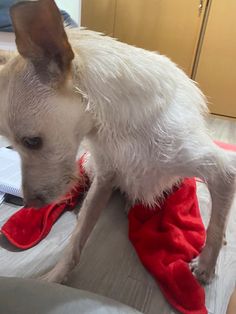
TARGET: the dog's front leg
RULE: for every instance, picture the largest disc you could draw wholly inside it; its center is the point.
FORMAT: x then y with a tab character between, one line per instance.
96	199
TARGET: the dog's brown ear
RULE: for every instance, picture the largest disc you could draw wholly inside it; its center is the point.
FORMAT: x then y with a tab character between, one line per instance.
40	34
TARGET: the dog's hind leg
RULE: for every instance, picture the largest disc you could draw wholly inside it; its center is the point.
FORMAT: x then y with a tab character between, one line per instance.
215	168
96	199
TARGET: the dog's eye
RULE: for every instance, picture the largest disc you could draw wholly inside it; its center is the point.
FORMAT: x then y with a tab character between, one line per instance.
32	142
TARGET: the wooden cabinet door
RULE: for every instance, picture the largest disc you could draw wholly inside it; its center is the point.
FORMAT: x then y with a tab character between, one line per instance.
98	15
170	27
216	71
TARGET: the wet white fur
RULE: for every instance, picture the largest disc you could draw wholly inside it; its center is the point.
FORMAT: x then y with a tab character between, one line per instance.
148	116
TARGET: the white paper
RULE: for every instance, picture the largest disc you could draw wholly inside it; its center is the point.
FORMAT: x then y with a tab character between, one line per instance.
10	172
2	196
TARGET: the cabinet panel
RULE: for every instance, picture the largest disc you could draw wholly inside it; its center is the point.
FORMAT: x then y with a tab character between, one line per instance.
170	27
98	15
216	71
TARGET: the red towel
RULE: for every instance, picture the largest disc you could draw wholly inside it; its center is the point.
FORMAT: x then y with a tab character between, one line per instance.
29	226
226	146
166	239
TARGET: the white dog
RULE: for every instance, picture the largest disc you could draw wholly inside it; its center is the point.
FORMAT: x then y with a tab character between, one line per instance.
141	116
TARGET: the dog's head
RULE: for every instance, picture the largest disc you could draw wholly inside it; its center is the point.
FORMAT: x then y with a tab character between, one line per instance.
39	111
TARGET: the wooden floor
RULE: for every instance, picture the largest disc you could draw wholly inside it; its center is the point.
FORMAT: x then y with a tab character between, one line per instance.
109	265
223	129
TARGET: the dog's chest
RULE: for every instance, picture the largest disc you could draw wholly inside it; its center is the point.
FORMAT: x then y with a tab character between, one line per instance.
139	172
146	185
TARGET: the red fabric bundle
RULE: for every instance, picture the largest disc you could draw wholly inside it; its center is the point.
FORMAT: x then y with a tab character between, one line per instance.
166	239
29	226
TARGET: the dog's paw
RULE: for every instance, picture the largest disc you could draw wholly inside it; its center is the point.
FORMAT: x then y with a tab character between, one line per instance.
202	271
